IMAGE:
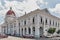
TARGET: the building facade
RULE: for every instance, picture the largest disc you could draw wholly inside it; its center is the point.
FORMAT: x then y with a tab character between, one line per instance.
36	23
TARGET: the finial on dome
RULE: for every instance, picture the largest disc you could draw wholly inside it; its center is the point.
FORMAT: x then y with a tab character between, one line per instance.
10	8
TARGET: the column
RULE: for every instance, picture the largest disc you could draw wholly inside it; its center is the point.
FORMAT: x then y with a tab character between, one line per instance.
27	31
9	29
31	31
12	29
17	28
37	32
48	22
6	29
44	28
1	29
37	26
23	31
20	31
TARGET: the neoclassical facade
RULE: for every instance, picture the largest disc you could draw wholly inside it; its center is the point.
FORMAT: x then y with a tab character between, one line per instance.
36	23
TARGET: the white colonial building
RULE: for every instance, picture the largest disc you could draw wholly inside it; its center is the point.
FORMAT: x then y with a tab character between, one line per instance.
35	23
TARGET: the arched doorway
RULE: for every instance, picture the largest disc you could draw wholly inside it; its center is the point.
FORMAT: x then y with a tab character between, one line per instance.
14	32
4	29
25	31
33	31
22	31
29	30
41	31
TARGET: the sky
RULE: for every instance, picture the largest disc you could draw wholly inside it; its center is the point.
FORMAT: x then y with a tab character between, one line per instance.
22	6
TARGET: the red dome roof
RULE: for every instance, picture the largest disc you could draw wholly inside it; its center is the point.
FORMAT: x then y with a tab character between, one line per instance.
10	12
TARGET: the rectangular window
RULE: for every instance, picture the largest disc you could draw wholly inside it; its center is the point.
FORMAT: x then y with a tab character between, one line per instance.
41	19
53	23
25	22
56	23
46	22
33	20
50	22
19	24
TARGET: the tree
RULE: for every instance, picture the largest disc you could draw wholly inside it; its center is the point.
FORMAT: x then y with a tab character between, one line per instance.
51	30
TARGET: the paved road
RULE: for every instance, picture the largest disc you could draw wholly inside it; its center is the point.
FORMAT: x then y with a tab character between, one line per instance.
48	39
17	38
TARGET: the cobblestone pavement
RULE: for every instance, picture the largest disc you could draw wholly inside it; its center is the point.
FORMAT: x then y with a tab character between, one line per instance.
17	38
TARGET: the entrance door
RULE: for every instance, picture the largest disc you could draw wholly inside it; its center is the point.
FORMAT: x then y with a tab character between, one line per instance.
19	31
34	31
22	31
25	31
14	32
41	31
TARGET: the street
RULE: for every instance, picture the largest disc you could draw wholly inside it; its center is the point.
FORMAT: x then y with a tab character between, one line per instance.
17	38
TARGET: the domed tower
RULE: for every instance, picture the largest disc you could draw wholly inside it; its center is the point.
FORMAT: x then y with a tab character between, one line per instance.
10	15
10	12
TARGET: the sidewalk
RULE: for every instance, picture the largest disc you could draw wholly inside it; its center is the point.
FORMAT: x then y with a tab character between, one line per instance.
15	38
18	38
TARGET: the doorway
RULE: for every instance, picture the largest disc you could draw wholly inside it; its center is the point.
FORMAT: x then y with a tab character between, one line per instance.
41	31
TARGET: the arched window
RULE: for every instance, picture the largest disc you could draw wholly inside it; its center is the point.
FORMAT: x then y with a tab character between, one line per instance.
56	23
46	21
53	23
50	22
33	28
33	20
19	24
29	31
25	22
41	19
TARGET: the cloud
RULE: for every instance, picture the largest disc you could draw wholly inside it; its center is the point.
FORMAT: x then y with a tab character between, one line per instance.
56	9
18	7
52	3
28	6
42	4
16	0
